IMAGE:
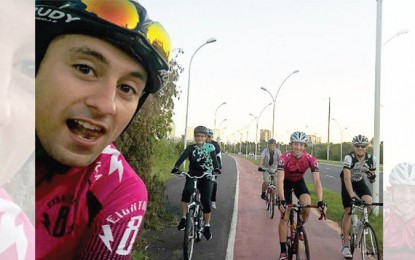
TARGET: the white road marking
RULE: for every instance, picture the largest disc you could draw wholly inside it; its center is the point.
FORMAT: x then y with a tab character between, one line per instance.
232	231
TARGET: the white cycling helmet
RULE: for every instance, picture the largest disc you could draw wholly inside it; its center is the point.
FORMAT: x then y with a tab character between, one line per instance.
403	174
360	139
299	137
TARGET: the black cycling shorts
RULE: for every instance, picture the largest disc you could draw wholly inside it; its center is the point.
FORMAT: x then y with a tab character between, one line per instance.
299	189
359	187
205	186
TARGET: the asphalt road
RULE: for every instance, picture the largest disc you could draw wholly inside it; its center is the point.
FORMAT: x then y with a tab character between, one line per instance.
168	244
330	178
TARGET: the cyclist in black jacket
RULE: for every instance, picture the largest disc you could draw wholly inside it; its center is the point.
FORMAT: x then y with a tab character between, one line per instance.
202	158
219	158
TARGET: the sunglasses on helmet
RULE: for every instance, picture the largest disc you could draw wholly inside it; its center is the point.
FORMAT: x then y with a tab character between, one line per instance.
124	13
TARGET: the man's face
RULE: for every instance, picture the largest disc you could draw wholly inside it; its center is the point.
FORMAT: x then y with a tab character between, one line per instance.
360	150
298	148
272	147
87	91
17	87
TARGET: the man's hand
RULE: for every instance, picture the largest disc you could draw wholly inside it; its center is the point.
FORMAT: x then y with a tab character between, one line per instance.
175	171
371	176
282	205
356	200
322	206
260	169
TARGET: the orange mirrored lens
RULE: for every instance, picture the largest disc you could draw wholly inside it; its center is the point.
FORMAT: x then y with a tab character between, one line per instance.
159	39
121	13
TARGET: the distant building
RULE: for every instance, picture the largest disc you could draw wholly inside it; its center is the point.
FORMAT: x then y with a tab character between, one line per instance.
264	134
314	139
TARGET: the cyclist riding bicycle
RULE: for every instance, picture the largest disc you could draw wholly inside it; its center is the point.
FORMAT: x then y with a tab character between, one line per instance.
219	158
268	161
291	169
96	63
356	165
202	159
399	215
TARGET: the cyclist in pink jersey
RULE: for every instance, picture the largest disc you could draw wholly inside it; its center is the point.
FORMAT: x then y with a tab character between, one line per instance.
291	169
399	214
96	63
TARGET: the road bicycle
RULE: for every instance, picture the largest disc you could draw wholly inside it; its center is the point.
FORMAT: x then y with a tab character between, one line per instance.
194	219
363	235
297	241
271	193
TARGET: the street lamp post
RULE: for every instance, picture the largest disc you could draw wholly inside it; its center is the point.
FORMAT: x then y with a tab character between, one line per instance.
274	99
220	125
216	111
341	137
210	40
256	132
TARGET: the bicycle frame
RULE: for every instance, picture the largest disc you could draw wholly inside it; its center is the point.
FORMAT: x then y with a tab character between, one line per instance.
271	194
364	236
296	229
194	219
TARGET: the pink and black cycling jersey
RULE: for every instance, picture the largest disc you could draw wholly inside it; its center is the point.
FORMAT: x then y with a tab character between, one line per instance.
17	235
92	212
295	168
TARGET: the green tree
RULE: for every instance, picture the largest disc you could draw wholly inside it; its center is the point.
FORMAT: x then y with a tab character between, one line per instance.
139	143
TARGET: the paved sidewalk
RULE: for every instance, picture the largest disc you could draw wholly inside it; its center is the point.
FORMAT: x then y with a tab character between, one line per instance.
257	234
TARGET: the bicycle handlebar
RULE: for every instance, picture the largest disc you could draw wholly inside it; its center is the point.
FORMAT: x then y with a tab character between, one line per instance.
301	206
364	203
194	177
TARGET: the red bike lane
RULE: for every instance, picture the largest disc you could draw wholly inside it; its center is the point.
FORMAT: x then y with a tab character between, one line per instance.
257	234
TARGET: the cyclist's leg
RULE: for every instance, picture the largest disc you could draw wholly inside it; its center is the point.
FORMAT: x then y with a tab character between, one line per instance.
186	194
363	191
205	187
265	182
214	189
283	225
303	194
346	201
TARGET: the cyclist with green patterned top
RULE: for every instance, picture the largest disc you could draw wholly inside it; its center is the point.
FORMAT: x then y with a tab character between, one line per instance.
202	158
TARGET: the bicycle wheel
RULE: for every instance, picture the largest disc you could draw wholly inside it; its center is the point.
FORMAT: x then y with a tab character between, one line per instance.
199	225
189	235
303	250
369	243
271	201
352	243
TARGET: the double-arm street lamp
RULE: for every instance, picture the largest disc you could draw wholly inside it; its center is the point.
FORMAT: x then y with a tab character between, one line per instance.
256	132
341	137
210	40
216	111
274	99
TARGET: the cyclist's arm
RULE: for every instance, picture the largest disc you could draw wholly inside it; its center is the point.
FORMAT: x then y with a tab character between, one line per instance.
347	173
261	161
280	180
111	234
214	159
183	157
317	185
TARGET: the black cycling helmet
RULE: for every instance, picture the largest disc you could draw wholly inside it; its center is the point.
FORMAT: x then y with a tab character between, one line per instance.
200	130
272	141
123	23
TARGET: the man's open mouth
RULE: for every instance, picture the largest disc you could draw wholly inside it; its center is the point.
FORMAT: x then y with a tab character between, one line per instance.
84	130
